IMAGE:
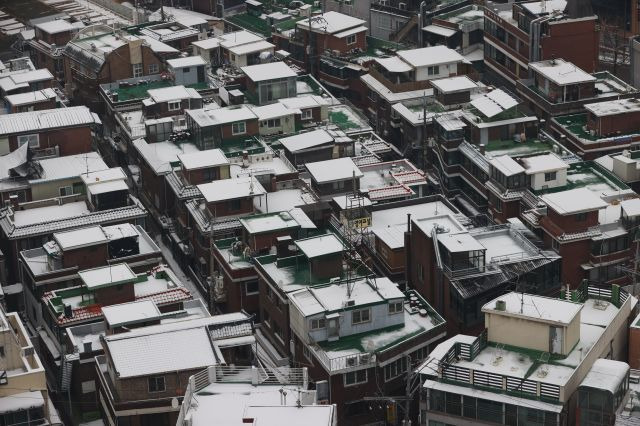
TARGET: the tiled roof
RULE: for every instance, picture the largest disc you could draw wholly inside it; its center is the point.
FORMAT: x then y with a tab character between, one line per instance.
120	214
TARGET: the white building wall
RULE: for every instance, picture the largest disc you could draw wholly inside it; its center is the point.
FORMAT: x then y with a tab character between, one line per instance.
538	182
445	70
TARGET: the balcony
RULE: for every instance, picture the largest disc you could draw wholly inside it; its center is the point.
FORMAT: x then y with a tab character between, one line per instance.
399	87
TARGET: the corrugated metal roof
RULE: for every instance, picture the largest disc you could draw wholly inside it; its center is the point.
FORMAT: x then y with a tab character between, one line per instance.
45	119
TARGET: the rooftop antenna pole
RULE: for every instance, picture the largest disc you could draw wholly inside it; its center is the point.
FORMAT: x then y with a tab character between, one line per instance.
162	15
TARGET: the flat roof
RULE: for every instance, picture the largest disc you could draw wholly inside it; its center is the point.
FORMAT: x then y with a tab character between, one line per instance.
506	165
189	61
172	93
631	207
454	84
307	140
427	56
614	107
256	46
70	166
460	242
321	245
230	189
394	64
270	71
77	238
534	307
574	201
202	159
132	312
105	276
55	26
333	170
494	102
270	222
561	72
442	31
31	97
543	163
331	22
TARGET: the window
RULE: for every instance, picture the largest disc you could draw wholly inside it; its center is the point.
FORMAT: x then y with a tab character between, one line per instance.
238	128
137	70
210	174
153	69
271	123
318	323
174	106
581	217
156	384
338	185
555	245
251	287
306	352
186	70
65	190
434	70
361	316
307	114
235	205
355	377
351	39
394	369
395	307
32	140
549	176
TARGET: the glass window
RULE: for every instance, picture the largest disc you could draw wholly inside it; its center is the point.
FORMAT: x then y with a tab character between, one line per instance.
318	323
238	128
174	106
361	316
137	70
549	176
251	287
351	39
153	69
355	377
395	307
307	114
489	411
156	384
32	140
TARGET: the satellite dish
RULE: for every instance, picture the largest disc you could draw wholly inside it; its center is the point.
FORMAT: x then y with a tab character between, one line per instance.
174	403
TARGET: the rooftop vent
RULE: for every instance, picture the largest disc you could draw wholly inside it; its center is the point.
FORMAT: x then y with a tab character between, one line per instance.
501	305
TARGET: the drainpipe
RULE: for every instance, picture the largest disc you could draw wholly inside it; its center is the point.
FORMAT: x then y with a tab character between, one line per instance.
423	5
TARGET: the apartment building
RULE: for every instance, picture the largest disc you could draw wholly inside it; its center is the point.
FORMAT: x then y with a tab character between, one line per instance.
49	40
517	34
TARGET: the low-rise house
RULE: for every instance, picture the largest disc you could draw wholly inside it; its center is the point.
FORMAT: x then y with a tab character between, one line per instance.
361	336
49	40
51	132
179	35
256	395
536	369
334	177
25	81
559	87
31	101
30	225
145	386
216	128
55	265
392	181
236	282
267	83
187	71
317	145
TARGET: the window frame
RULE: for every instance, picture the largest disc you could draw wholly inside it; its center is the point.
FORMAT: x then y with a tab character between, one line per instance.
251	293
307	113
235	128
320	324
351	39
356	381
550	176
171	105
137	70
359	312
395	306
154	68
156	381
21	140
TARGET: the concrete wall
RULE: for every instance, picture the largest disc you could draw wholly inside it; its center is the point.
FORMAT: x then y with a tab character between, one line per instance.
537	180
445	70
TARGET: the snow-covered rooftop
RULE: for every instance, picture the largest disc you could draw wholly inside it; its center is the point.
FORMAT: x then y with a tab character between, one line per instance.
269	71
70	166
173	93
606	374
213	117
202	159
161	155
454	84
307	140
394	64
247	48
237	38
550	6
631	207
574	201
189	61
506	165
460	242
269	222
23	122
543	163
132	312
78	238
55	26
614	107
31	97
321	245
331	22
105	276
333	170
537	308
561	72
275	110
230	189
169	351
427	56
